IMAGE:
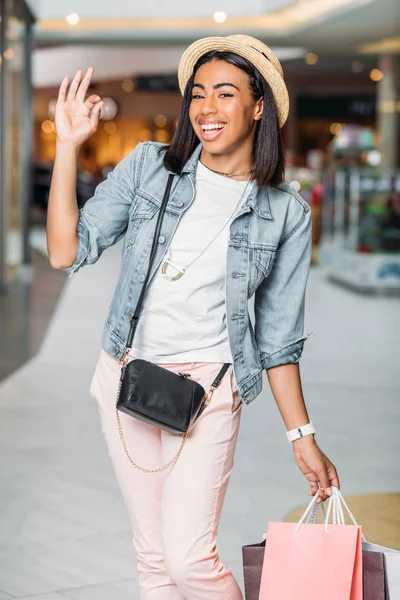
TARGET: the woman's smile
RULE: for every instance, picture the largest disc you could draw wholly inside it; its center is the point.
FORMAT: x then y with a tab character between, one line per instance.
211	130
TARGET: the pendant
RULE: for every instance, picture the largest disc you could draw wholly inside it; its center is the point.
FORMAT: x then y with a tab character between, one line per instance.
166	264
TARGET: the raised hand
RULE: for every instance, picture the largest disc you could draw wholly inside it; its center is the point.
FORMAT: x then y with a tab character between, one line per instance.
77	119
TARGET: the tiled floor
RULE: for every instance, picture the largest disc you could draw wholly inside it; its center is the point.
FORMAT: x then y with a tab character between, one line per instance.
64	530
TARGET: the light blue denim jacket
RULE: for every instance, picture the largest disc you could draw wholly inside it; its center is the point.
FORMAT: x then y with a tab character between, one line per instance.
268	255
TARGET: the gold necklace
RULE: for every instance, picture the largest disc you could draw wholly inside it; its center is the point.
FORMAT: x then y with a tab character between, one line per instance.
228	174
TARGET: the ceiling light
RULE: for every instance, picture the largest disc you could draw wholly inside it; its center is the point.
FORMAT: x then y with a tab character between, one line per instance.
376	75
335	128
220	17
374	158
47	126
386	45
73	19
357	66
311	58
296	185
127	85
160	120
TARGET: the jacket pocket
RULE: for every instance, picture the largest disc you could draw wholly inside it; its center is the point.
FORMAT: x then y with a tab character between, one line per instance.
140	212
260	262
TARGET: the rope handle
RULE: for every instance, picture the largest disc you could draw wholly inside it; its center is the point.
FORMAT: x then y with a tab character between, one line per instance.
336	504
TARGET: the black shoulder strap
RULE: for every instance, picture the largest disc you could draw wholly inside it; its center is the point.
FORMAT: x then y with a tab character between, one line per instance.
220	375
135	316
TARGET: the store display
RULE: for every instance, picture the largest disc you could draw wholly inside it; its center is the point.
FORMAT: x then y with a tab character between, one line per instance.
361	229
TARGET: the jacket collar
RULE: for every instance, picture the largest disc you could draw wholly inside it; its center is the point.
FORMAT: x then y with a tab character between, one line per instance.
258	199
191	163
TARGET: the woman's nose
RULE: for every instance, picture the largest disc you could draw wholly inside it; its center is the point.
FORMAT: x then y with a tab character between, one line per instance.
208	106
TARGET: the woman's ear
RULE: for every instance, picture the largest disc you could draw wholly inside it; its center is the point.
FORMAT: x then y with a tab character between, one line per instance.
259	109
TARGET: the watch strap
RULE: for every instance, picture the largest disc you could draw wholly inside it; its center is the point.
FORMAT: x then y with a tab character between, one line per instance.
300	432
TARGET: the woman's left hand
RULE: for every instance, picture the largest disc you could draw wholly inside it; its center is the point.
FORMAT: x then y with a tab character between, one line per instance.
316	467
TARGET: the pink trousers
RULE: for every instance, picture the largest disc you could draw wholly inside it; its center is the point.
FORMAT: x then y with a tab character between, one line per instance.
175	514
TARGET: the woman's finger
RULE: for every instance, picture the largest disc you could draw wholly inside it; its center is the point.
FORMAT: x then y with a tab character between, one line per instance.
314	487
92	101
84	85
95	116
324	483
333	476
63	90
74	85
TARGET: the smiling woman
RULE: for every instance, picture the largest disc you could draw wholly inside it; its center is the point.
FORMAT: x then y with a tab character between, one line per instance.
207	223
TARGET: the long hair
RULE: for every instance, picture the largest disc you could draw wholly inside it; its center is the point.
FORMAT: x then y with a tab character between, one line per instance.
267	155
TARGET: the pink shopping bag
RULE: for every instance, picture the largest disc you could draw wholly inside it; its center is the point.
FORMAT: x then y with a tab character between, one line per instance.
311	561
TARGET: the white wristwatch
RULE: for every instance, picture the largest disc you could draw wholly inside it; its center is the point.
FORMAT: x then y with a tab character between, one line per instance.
300	432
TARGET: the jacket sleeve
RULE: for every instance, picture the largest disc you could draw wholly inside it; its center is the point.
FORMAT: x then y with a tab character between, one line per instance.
104	218
280	299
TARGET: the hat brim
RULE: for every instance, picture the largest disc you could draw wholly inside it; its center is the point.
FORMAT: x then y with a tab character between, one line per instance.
225	44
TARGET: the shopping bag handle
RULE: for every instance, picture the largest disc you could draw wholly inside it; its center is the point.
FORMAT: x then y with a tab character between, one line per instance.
336	504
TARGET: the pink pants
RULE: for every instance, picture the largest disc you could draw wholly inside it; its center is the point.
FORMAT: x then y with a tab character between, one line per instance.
175	514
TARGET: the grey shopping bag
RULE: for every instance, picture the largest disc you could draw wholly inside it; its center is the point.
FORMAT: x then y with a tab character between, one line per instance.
391	561
392	570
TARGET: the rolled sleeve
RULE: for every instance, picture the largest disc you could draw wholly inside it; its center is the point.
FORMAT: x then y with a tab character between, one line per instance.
104	218
91	244
280	299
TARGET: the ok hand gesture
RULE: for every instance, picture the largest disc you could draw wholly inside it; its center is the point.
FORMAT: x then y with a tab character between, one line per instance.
77	119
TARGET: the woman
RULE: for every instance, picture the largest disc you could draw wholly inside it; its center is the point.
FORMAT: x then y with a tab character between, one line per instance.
231	230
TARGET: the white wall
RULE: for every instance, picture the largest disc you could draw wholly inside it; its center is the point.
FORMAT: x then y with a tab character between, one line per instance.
51	64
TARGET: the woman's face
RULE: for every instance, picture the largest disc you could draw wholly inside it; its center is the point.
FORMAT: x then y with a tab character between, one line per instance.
223	112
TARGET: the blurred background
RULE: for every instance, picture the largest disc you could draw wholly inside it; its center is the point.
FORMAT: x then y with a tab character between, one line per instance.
341	60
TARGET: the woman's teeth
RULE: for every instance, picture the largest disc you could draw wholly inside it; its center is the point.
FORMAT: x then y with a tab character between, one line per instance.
211	127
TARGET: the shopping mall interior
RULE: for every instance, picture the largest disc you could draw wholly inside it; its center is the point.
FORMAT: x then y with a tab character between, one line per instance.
64	530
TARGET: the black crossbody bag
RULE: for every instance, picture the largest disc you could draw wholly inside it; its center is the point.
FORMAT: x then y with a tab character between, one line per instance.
148	392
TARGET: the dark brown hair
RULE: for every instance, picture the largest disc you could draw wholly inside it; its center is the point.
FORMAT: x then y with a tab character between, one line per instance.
268	156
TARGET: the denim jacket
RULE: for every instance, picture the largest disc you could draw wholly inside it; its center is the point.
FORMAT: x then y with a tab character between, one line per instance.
268	255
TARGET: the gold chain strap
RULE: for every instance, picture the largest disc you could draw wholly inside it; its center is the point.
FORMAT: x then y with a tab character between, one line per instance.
207	401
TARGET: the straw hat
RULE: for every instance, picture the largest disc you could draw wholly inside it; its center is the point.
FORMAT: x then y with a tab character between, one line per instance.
248	47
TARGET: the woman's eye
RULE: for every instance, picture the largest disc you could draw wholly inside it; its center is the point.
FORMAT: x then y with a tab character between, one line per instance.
223	95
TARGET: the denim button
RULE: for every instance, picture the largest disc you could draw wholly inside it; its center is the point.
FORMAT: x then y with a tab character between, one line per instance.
161	239
180	204
142	278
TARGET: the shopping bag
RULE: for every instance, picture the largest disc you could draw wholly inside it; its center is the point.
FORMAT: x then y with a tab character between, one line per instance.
373	573
301	560
391	566
253	558
381	565
392	571
373	576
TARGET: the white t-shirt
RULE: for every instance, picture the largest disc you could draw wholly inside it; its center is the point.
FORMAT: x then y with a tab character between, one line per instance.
185	320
